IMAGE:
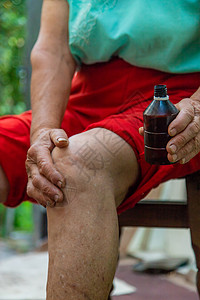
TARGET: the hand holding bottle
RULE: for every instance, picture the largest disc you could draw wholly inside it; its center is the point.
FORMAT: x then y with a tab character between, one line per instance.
185	132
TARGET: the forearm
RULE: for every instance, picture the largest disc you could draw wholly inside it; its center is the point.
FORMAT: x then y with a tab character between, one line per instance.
52	67
50	87
52	70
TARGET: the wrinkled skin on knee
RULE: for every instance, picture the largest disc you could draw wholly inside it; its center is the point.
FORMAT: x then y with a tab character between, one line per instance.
80	175
86	162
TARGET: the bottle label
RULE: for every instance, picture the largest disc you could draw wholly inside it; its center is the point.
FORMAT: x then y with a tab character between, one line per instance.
161	98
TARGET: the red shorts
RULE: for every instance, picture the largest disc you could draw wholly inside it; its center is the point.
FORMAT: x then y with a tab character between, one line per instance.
111	95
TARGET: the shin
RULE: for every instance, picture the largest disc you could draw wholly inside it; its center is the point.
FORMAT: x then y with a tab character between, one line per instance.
83	230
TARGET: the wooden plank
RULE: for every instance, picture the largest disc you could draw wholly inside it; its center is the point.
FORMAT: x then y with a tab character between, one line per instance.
156	214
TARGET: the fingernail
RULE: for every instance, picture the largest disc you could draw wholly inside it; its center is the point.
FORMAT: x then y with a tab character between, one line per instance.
173	132
173	148
60	184
62	140
183	161
174	157
56	198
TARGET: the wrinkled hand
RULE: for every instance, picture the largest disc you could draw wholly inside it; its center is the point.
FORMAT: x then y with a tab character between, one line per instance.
185	132
44	181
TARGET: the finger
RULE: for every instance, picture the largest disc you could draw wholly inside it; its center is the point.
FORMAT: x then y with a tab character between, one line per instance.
34	193
141	131
59	138
194	152
184	117
41	156
186	153
181	139
44	186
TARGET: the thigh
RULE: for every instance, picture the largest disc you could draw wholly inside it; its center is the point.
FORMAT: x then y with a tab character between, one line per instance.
14	143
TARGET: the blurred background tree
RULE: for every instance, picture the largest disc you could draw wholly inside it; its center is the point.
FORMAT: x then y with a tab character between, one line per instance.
19	26
13	20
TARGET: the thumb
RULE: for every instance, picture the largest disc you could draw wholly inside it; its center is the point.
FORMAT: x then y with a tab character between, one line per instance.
141	131
59	138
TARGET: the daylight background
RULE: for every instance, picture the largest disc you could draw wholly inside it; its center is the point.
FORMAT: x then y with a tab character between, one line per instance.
19	24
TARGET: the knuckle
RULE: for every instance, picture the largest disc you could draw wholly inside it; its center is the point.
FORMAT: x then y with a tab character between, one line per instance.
27	166
196	106
198	140
184	151
42	166
195	126
197	144
189	113
35	180
29	191
31	151
58	131
48	171
182	140
46	189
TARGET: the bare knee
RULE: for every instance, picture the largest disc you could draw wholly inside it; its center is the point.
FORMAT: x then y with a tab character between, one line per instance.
88	164
83	175
4	186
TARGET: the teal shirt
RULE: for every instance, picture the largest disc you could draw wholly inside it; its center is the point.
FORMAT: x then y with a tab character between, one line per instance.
158	34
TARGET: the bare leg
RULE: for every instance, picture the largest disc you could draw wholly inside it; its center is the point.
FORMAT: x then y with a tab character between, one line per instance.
4	186
83	231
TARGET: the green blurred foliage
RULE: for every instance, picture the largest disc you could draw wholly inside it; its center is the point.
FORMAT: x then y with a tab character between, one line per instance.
2	219
23	217
12	40
12	79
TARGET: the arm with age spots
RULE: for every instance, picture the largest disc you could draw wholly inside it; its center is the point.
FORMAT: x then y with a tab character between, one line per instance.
53	69
184	130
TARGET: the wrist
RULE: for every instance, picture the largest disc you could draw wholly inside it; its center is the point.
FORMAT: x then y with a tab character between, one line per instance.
38	132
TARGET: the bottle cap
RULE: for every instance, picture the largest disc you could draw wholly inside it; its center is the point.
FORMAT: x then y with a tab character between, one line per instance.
160	90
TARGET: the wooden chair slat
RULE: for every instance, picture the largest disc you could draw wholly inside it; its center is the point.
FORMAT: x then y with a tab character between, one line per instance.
157	213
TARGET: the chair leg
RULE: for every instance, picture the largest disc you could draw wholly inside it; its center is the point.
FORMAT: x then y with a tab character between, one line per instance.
193	193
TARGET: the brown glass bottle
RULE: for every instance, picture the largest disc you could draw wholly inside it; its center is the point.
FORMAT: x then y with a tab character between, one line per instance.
157	117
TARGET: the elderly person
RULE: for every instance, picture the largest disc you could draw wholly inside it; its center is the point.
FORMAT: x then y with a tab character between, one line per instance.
119	49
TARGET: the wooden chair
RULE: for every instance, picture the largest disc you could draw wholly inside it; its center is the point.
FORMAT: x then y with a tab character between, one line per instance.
171	214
